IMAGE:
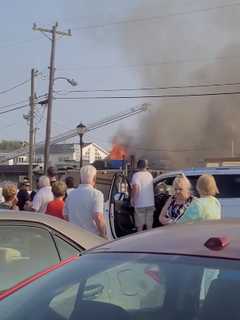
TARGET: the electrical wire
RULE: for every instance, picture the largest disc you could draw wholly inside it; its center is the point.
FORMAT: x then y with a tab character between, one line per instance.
150	96
14	109
151	64
156	88
15	87
12	104
17	103
156	18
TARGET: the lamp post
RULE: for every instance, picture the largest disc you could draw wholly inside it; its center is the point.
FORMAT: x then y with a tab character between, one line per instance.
72	82
81	129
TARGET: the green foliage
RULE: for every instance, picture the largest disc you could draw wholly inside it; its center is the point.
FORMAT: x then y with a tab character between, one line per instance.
10	145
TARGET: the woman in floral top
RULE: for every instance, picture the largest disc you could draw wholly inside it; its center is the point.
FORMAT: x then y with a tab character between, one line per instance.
178	203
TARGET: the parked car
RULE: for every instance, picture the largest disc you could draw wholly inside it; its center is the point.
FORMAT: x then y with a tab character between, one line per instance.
189	271
119	213
30	242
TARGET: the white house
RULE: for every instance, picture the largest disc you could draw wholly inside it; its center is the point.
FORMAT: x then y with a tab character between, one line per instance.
61	154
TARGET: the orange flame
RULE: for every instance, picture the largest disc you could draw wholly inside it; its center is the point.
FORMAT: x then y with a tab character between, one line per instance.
118	152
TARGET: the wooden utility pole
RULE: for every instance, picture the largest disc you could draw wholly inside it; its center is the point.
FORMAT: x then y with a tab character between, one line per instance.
31	126
54	32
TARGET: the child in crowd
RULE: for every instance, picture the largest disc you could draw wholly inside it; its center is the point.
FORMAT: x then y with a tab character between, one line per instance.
55	207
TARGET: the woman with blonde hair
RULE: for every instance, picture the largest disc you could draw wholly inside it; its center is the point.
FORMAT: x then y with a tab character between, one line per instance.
178	202
207	207
9	193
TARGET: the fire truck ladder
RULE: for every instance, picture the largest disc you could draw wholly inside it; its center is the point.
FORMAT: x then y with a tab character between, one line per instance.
72	133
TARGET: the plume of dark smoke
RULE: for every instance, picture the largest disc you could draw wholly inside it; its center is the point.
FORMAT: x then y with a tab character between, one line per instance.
183	132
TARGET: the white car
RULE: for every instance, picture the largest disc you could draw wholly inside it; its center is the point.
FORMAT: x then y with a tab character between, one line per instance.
227	179
119	213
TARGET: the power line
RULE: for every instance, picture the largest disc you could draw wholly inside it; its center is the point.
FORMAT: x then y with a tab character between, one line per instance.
13	104
14	109
150	96
15	87
156	88
156	18
151	64
21	101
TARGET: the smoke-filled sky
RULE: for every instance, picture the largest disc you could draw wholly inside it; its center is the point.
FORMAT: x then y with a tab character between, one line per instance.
130	45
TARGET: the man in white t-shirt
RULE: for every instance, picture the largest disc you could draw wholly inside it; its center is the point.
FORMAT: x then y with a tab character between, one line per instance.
84	205
43	196
142	196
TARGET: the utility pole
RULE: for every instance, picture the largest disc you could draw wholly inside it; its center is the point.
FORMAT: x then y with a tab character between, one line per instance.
54	32
31	126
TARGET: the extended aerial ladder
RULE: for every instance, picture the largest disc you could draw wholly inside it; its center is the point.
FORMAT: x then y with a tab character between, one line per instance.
72	133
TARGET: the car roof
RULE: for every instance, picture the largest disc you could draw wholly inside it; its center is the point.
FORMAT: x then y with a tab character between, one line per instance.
200	171
80	236
183	239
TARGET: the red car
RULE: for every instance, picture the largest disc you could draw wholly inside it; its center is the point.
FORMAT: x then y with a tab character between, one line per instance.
189	272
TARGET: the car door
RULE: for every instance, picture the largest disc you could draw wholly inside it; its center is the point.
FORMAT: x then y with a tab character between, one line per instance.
120	211
26	249
162	191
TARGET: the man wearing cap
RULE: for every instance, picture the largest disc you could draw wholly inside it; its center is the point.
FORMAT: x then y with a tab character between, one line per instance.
142	196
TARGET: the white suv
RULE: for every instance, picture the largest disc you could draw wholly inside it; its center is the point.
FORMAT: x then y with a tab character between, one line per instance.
117	190
227	179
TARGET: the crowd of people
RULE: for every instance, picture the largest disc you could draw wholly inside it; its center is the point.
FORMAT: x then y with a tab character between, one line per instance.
84	205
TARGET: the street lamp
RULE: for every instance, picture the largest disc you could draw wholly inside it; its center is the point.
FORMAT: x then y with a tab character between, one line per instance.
72	82
81	129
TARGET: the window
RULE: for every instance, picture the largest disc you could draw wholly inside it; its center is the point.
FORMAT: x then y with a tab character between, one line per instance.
23	252
132	286
65	249
87	155
228	185
164	186
97	155
21	159
208	276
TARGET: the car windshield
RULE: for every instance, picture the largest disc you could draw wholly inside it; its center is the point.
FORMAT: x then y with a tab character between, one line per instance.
131	286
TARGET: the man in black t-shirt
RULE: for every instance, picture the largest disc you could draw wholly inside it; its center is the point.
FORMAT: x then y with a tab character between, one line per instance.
23	195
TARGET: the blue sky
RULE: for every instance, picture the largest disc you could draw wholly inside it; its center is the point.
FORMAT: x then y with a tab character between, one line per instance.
124	55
